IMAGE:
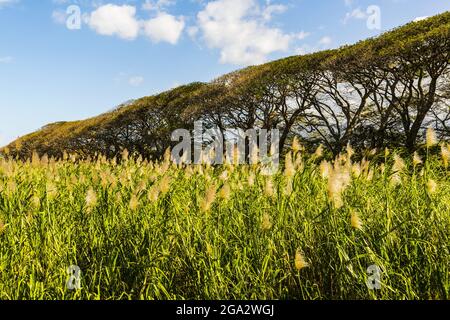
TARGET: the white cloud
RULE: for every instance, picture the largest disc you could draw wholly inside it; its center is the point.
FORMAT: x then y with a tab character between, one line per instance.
117	20
157	5
192	31
136	81
164	27
121	21
272	9
305	49
4	3
59	16
348	3
325	41
420	18
302	35
7	59
239	29
354	14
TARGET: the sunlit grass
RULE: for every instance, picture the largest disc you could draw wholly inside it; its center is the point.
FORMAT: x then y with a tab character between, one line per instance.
141	230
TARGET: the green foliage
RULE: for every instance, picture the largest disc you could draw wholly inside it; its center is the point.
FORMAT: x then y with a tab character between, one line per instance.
398	84
142	230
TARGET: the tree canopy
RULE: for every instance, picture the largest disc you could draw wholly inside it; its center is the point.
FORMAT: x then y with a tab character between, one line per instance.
377	93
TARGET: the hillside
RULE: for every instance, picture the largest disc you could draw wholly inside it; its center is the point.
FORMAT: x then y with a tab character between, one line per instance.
380	92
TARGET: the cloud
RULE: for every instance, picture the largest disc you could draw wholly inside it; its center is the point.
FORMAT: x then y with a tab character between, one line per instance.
121	21
325	41
270	10
164	27
136	81
4	3
59	16
158	5
348	3
354	14
302	35
7	59
116	20
240	30
192	31
420	18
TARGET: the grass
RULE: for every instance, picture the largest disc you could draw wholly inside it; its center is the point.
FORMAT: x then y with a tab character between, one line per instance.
141	230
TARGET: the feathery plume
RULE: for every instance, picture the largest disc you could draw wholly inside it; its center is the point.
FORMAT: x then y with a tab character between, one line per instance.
141	186
356	169
35	159
370	174
431	137
396	179
319	152
325	169
289	170
268	188
153	193
416	159
298	162
125	154
296	147
338	181
209	199
251	179
254	155
44	160
399	164
164	185
431	186
356	221
350	152
167	155
445	154
52	190
91	199
266	224
2	227
134	202
382	168
224	175
11	187
289	187
300	261
225	192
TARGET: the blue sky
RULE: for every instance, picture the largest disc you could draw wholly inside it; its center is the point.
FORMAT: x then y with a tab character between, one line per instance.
58	64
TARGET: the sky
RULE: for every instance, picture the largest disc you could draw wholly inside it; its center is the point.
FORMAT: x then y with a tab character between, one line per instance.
63	60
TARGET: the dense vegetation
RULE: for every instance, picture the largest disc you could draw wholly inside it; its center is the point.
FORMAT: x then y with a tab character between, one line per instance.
381	92
103	194
144	230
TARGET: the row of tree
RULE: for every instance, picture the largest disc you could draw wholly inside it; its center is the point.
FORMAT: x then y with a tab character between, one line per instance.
381	92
